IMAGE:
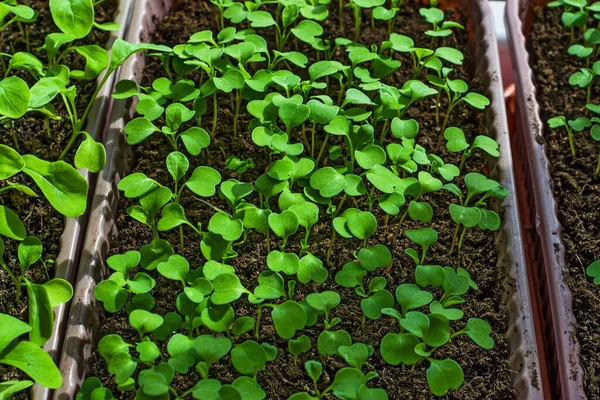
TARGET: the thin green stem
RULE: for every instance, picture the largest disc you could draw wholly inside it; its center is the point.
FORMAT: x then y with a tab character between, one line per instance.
384	131
437	107
312	145
322	149
454	238
238	103
181	239
330	250
401	221
341	11
258	318
598	167
463	160
462	236
215	112
571	141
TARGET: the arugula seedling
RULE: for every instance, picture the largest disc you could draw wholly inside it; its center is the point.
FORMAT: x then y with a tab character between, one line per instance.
457	92
90	154
422	334
440	28
114	292
325	302
298	346
221	5
357	7
575	14
593	271
383	14
347	380
195	139
61	184
456	142
478	215
238	165
595	130
284	225
570	126
423	237
29	253
249	357
584	79
43	297
17	13
375	300
25	355
423	57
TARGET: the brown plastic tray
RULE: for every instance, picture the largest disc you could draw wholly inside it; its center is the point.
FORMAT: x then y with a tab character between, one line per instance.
71	240
82	332
547	253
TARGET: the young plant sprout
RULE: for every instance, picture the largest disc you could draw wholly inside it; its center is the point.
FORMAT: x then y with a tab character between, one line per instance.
456	142
422	334
595	130
328	138
26	355
593	271
575	14
584	79
570	126
478	215
440	28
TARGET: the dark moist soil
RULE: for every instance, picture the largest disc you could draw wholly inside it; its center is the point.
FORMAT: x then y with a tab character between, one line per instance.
487	374
30	132
576	187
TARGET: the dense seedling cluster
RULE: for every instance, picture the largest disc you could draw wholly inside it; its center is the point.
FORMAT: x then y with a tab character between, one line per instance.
39	83
581	16
343	157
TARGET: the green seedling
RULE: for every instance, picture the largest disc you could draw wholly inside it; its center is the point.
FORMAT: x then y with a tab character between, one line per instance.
423	237
477	214
249	357
61	184
457	92
595	130
593	271
239	166
55	291
114	292
376	299
329	342
456	143
440	28
347	380
383	14
298	346
284	225
357	9
25	355
11	12
325	302
570	126
354	223
423	57
422	334
416	188
195	139
90	154
575	14
356	355
584	79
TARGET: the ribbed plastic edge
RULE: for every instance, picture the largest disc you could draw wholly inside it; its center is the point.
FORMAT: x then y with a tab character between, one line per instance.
560	321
